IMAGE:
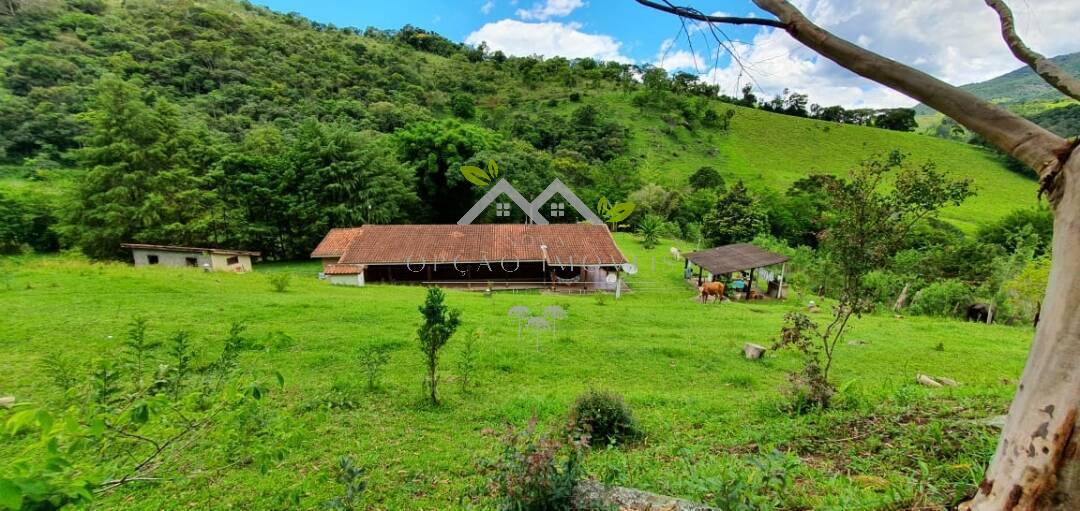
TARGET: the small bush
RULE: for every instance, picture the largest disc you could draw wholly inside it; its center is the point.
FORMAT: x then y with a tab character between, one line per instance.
279	282
372	358
605	417
807	391
944	298
537	472
350	476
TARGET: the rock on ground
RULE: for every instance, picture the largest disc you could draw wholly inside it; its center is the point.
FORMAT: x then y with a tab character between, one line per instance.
753	351
588	494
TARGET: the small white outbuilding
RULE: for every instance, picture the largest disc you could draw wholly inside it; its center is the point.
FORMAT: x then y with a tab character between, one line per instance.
206	258
345	274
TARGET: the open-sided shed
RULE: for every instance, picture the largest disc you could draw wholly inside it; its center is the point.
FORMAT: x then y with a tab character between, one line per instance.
738	257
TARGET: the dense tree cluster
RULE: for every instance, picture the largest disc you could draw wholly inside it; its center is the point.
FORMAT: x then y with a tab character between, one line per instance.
207	123
796	104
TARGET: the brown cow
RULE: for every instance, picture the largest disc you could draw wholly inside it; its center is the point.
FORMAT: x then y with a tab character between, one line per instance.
708	289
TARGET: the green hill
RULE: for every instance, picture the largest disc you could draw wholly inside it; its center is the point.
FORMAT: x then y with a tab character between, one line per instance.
1020	86
294	126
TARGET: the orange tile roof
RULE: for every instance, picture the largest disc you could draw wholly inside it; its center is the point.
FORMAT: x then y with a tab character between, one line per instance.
557	244
343	269
335	242
176	248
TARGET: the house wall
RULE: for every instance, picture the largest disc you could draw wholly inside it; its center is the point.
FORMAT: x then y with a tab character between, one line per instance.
347	280
220	262
166	258
180	260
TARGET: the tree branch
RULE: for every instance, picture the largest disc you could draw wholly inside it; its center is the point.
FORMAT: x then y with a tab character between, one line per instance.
694	14
1044	67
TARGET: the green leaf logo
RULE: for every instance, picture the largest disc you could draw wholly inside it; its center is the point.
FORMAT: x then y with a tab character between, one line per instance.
603	206
475	175
619	212
479	176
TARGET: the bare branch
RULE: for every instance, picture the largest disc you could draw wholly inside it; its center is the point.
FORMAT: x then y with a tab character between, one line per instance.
694	14
1044	67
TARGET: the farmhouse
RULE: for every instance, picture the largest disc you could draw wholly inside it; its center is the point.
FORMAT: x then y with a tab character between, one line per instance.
570	257
206	258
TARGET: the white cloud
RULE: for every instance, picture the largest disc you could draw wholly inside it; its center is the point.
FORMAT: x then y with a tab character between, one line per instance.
958	41
549	9
671	58
549	39
486	8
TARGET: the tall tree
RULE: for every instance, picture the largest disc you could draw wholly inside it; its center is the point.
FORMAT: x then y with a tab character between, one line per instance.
1035	465
738	217
139	186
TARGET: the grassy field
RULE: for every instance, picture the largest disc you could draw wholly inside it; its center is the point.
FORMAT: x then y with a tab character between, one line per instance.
704	409
772	150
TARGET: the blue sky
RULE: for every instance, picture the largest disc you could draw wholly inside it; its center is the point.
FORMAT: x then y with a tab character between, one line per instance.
956	40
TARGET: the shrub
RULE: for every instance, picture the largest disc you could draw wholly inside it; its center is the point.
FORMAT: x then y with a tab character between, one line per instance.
279	282
942	298
649	229
350	476
604	416
537	472
466	362
883	287
372	358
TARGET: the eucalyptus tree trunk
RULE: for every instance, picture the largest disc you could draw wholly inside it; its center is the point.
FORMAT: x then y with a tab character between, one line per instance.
1037	462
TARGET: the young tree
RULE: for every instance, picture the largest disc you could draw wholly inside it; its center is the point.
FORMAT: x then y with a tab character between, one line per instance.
1044	413
440	323
865	228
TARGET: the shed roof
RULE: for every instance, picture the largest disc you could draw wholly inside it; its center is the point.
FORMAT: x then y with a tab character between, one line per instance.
343	269
198	250
556	244
335	242
737	257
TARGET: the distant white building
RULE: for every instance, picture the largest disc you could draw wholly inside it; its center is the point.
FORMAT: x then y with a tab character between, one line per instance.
205	258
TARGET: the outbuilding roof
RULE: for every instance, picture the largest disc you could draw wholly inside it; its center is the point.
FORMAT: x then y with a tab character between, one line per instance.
555	244
335	242
197	250
343	269
737	257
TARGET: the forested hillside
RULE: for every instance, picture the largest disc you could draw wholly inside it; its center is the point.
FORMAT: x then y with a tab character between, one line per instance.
1020	86
215	122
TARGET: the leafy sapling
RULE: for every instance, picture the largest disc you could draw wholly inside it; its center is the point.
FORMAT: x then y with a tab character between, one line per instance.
466	363
181	353
440	323
234	343
138	351
372	360
351	477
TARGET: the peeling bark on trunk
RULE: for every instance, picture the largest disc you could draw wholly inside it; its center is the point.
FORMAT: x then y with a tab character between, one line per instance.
1037	462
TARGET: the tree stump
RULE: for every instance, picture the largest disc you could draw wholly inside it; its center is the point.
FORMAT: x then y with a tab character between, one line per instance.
753	351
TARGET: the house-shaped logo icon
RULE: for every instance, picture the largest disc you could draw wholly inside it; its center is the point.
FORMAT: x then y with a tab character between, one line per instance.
531	209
